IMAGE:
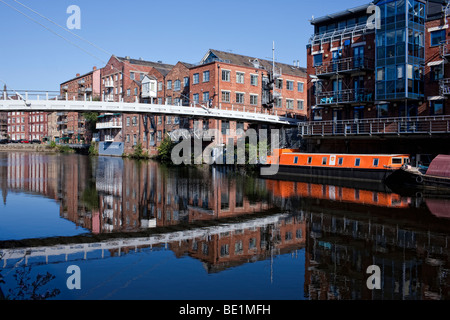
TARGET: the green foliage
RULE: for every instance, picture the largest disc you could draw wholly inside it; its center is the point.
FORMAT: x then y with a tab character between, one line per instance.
52	145
91	120
165	150
64	149
93	151
90	196
139	153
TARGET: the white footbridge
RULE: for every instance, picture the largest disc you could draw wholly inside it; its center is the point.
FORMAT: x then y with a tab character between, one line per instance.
32	101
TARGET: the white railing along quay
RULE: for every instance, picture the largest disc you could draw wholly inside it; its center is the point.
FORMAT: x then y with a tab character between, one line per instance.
379	126
46	101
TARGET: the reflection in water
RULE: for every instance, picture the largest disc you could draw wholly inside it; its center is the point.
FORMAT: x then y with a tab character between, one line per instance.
224	220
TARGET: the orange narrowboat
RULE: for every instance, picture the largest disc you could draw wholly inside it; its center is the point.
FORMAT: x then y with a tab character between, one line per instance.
362	167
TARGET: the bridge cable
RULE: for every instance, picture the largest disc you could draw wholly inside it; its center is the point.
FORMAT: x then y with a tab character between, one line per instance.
81	38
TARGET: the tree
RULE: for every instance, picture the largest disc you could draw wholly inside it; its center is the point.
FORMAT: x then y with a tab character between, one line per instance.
165	150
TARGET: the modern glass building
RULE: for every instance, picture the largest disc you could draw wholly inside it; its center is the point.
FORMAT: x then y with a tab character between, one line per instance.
400	55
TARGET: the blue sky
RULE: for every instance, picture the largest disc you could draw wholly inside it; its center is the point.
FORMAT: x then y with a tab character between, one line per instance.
32	57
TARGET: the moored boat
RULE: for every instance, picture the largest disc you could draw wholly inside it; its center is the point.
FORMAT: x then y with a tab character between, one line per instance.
436	179
357	167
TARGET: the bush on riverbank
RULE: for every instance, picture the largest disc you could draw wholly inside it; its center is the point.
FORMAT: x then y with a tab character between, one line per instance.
165	151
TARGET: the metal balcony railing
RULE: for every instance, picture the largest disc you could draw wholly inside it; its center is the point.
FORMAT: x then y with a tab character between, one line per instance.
343	97
109	84
445	48
345	65
109	125
444	87
379	126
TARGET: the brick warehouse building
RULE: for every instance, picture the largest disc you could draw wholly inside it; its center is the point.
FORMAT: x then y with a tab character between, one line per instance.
381	85
71	126
130	80
235	82
121	80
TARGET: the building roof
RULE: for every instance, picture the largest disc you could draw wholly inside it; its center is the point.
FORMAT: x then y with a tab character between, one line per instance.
163	68
81	76
252	62
341	15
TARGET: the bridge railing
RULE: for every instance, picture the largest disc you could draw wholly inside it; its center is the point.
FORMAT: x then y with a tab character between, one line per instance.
379	126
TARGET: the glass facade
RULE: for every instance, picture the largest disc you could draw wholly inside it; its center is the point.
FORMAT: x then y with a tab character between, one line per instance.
400	54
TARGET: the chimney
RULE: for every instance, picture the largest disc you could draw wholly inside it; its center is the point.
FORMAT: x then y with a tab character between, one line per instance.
78	74
94	68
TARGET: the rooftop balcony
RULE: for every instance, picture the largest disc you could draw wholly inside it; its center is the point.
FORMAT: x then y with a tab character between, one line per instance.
347	65
379	126
349	96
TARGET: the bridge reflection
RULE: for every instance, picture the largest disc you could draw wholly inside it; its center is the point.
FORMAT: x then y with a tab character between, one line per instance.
225	219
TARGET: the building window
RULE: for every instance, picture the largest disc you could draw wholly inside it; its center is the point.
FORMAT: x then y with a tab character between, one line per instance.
128	138
279	102
226	75
437	107
437	72
206	96
317	114
300	86
160	86
225	126
437	37
279	83
135	91
240	77
196	98
253	100
383	110
160	101
239	97
128	92
134	121
134	140
289	85
300	104
186	81
159	119
169	100
289	104
317	60
132	75
159	135
225	96
169	85
254	80
206	76
177	85
195	78
128	121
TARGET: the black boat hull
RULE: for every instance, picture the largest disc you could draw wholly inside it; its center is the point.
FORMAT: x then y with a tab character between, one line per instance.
404	181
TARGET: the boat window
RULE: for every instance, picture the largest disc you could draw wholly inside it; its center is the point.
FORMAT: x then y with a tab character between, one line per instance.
340	161
324	160
295	160
376	161
405	160
309	160
357	162
396	160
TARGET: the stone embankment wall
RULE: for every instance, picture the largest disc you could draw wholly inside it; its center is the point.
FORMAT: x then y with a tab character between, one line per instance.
25	147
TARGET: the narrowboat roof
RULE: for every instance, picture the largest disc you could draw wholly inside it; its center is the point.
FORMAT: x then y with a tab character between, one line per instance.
348	154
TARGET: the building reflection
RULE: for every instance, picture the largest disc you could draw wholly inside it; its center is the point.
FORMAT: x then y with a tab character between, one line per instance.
224	220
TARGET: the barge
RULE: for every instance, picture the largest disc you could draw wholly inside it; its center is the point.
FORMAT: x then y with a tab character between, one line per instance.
434	180
354	167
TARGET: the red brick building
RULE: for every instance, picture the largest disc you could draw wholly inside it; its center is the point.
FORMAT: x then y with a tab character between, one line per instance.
72	125
28	125
236	82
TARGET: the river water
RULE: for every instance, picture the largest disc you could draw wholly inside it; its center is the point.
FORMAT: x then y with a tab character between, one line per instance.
79	228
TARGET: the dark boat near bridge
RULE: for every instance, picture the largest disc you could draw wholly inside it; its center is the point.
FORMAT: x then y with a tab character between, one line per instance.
433	180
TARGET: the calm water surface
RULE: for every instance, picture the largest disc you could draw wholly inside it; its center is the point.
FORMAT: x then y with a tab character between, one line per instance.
139	230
